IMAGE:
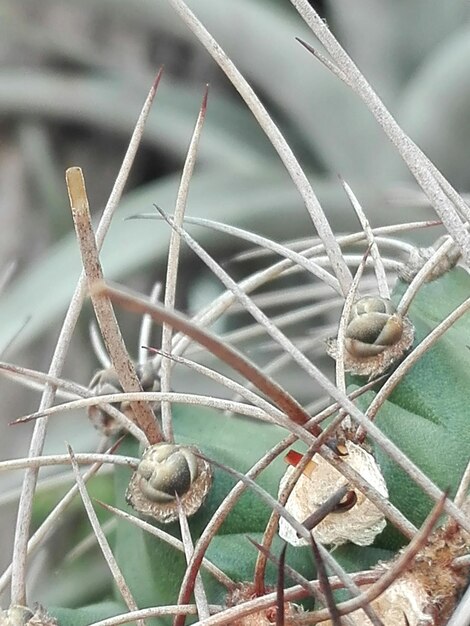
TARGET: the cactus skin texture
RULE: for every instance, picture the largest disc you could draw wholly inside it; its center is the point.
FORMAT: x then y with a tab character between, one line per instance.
428	413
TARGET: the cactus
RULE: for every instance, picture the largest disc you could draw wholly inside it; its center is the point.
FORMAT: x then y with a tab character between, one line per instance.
248	505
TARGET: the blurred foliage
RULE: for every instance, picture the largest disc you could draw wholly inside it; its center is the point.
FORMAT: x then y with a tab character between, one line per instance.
73	78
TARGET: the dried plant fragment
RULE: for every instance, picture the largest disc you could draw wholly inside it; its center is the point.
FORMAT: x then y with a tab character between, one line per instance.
377	337
166	471
403	600
425	594
419	256
359	523
22	616
105	382
266	617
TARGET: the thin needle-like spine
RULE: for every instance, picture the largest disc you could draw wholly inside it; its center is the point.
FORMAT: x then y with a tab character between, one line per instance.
102	541
218	574
325	585
276	138
160	396
21	374
98	346
343	240
11	340
326	508
213	311
228	383
140	305
23	520
293	316
199	592
392	450
6	274
173	264
414	356
82	458
302	259
379	269
421	276
310	588
57	480
463	488
280	612
416	161
343	322
68	388
44	529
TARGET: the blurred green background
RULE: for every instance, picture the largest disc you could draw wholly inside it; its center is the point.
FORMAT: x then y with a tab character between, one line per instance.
73	76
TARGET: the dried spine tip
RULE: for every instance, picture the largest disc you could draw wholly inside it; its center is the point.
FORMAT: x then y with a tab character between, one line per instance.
106	382
267	617
376	337
165	472
359	521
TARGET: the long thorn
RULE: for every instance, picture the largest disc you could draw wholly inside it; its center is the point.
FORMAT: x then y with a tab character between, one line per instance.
329	506
325	585
23	521
274	135
280	612
173	263
102	541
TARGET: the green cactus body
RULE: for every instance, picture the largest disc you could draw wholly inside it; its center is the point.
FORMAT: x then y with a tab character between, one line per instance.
427	415
152	568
